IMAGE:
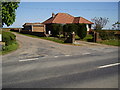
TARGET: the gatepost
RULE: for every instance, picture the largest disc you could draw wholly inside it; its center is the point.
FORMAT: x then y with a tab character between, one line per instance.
73	37
96	37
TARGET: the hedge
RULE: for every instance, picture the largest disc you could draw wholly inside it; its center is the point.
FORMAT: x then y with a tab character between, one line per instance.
82	31
107	35
8	38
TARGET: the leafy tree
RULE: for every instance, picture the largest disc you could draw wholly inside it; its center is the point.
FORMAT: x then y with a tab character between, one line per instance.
82	30
8	12
99	22
72	28
69	28
56	29
0	14
65	28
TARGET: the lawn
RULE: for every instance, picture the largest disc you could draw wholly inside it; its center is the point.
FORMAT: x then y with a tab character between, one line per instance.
110	42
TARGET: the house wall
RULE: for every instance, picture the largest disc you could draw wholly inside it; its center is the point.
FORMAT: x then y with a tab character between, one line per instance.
87	27
38	29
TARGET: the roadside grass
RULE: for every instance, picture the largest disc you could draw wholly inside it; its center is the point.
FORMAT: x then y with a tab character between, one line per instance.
110	42
14	46
5	49
115	42
54	39
88	37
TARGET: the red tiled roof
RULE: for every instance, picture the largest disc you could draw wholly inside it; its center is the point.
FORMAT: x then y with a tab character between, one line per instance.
64	18
81	20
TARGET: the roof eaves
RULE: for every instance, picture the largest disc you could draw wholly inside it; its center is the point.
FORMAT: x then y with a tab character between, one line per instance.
87	20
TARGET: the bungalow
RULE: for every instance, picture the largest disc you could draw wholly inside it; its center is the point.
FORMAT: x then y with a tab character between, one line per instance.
34	27
64	18
59	18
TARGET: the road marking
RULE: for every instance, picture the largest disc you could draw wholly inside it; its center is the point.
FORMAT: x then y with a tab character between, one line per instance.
55	56
67	55
104	66
28	59
85	53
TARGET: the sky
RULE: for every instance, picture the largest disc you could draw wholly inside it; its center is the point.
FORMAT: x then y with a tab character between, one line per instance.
32	12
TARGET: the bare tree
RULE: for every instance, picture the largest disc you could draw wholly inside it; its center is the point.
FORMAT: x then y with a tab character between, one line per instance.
99	22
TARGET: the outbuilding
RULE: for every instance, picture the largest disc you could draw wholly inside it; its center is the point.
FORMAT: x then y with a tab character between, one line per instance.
34	27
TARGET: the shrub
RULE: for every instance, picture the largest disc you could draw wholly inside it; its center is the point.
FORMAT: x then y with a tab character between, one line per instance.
69	28
82	30
106	35
72	28
56	29
8	37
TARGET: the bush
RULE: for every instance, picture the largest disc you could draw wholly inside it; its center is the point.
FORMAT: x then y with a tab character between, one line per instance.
69	28
72	28
56	29
82	30
8	37
106	35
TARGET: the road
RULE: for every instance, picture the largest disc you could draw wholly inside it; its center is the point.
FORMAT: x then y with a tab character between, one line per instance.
44	64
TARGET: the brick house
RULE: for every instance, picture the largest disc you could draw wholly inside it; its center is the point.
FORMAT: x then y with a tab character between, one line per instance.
64	18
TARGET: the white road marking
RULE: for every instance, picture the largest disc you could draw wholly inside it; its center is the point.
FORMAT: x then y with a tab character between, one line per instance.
85	53
104	66
28	59
55	56
67	55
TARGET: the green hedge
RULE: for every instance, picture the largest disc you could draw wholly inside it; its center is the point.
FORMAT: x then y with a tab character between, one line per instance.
107	35
8	38
56	29
82	31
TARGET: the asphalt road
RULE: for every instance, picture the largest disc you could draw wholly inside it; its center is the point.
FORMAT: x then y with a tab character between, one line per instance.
45	64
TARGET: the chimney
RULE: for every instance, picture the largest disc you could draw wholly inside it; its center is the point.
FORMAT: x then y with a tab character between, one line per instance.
53	15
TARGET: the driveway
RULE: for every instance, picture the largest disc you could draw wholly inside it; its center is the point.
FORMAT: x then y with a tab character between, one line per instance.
34	47
40	63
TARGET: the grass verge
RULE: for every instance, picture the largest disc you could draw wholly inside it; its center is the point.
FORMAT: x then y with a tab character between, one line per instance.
14	46
54	39
110	42
115	42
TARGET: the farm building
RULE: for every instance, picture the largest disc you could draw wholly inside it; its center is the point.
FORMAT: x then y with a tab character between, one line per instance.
34	27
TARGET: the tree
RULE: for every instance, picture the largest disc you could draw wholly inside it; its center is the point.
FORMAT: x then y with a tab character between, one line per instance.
69	28
82	30
99	22
116	26
8	12
60	29
56	29
72	28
